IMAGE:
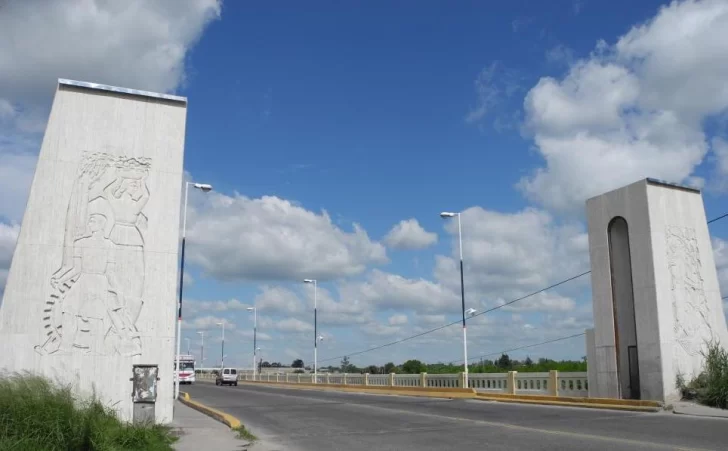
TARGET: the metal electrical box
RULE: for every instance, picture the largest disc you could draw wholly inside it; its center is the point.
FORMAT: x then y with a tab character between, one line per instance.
144	392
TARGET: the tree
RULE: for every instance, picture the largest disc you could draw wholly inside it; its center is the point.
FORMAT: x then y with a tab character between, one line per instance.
413	367
389	367
345	365
528	361
504	362
298	363
266	364
373	369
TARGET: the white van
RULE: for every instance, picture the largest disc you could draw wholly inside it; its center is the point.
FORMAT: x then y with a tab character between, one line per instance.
227	376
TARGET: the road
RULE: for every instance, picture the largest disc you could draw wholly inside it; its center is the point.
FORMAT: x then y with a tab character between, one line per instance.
301	420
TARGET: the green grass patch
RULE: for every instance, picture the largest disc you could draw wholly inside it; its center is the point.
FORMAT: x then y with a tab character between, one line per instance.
36	414
245	434
711	386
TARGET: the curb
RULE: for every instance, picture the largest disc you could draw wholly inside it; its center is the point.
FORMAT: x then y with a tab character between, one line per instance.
469	393
431	392
227	419
585	405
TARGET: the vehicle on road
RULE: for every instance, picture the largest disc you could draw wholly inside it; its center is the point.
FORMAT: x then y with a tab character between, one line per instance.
186	371
227	376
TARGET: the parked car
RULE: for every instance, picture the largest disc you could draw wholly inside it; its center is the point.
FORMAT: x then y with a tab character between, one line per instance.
228	376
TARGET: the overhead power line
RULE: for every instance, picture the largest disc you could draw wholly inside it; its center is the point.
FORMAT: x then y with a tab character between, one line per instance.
402	340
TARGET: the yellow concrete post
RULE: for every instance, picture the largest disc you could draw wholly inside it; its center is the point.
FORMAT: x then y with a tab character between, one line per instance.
423	379
511	383
391	379
366	378
328	381
299	378
344	379
286	377
462	383
554	383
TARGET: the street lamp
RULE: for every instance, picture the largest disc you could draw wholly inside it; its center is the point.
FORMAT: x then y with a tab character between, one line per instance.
188	346
448	215
255	332
222	348
315	330
202	348
204	188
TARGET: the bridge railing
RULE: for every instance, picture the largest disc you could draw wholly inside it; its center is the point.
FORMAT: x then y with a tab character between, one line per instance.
553	383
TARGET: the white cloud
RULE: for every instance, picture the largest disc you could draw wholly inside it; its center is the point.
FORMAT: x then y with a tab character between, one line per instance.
409	234
495	84
136	44
387	291
278	300
238	238
293	325
631	110
208	322
397	320
507	255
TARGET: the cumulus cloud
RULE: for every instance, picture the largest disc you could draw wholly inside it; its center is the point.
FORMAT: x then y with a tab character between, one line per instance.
239	238
136	44
396	320
275	299
408	234
507	255
631	110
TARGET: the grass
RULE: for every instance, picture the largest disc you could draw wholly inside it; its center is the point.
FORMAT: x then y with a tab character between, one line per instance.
36	414
243	434
711	386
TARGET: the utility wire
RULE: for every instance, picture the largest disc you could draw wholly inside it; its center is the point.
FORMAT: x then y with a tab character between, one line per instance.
402	340
554	340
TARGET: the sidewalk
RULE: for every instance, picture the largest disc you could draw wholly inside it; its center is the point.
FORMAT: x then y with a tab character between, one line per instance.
695	409
198	431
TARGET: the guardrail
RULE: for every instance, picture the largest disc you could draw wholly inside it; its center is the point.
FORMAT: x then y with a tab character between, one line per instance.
553	383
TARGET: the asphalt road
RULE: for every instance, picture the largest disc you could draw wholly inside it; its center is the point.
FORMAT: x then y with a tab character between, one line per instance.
300	420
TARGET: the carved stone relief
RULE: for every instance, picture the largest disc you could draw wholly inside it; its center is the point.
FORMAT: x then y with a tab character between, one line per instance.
691	311
97	292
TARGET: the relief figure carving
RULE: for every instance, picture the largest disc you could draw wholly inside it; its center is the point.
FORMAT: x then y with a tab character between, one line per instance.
97	293
691	311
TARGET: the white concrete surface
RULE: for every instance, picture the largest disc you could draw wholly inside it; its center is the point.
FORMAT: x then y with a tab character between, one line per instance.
673	288
92	286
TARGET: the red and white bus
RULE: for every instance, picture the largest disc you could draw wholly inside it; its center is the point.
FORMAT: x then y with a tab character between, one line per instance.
186	372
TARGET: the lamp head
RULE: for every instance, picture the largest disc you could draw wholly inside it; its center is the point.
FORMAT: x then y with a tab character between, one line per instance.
308	281
250	309
447	214
202	186
470	312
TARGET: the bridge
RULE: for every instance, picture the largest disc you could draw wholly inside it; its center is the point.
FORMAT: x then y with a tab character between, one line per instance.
285	417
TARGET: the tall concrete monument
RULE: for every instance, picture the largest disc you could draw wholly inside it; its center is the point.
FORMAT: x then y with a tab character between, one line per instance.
90	296
655	290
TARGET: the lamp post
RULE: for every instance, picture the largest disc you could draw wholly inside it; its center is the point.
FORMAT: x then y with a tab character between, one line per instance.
315	330
204	188
446	215
188	346
222	347
202	348
255	332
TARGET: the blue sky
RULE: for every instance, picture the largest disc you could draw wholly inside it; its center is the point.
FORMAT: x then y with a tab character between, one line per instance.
322	127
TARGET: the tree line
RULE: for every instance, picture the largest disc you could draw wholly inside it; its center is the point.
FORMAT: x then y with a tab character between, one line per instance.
503	364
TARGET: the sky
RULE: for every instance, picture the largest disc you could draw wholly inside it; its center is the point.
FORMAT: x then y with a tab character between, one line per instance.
335	133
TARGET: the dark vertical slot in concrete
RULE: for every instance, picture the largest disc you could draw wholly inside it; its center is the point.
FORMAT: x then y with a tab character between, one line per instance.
625	329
